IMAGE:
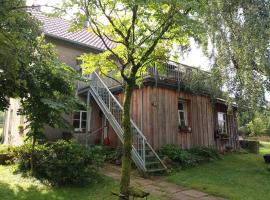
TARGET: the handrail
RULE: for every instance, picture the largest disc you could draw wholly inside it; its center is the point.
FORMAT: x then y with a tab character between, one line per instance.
113	110
117	102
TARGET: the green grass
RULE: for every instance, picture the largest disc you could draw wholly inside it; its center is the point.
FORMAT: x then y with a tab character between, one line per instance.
236	177
264	147
20	188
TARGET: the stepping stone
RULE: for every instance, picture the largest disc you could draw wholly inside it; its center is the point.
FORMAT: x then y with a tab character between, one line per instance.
211	198
180	196
195	193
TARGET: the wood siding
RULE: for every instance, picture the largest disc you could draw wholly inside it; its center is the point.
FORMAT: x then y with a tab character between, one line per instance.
155	111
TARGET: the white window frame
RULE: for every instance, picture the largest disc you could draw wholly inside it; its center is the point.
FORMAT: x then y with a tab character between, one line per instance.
80	128
184	111
222	121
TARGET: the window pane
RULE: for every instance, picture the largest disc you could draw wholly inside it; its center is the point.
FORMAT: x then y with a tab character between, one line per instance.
76	123
180	106
183	123
83	115
182	116
220	117
83	124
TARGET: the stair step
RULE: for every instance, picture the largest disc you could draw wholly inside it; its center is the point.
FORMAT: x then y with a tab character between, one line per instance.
152	163
156	170
109	105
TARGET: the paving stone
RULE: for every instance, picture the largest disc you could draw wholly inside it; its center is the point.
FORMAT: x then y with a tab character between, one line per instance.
170	188
180	196
212	198
158	186
194	193
154	190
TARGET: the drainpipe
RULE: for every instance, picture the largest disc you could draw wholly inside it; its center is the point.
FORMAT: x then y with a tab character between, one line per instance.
88	118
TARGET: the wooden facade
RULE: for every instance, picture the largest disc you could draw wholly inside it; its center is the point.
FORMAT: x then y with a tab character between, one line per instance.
154	110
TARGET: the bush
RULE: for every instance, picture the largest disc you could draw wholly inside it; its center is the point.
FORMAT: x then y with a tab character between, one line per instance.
205	153
62	163
181	157
252	146
6	154
176	157
113	155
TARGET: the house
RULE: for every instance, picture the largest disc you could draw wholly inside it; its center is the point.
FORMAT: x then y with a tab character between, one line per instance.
162	111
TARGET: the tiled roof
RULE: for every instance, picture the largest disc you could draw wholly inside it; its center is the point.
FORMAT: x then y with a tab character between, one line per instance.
59	28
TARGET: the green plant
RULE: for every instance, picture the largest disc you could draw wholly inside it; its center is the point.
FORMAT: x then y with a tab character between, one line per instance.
205	153
113	155
61	163
181	157
6	154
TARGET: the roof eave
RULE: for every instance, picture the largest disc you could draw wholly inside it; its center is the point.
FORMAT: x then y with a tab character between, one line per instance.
90	47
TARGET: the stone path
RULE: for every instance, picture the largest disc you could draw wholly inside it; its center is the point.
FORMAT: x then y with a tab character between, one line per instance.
158	186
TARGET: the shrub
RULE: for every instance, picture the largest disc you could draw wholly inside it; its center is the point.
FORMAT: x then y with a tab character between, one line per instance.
178	155
6	154
62	163
113	155
205	153
252	146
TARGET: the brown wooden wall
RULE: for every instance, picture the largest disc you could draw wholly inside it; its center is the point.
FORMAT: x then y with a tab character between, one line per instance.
154	110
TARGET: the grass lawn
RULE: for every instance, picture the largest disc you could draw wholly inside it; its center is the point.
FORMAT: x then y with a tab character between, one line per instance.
17	187
236	177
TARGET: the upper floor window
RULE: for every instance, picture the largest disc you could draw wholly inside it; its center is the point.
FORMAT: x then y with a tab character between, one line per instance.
79	121
222	123
182	113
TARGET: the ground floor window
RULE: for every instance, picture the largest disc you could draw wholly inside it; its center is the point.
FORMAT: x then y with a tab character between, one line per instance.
79	121
222	123
182	113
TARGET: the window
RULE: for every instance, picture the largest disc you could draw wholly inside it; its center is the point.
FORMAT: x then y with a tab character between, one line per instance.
79	121
182	113
222	123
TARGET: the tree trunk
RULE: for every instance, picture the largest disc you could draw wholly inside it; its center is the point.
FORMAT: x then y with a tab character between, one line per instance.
32	155
127	145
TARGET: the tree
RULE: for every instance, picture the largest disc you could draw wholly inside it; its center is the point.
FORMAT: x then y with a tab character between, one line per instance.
239	33
31	72
144	32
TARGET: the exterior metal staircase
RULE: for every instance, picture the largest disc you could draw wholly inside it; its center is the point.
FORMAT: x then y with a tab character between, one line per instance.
143	154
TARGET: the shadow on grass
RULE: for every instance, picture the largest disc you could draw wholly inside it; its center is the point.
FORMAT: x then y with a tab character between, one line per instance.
18	191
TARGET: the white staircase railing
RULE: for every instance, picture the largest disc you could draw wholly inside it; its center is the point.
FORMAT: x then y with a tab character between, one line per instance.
143	154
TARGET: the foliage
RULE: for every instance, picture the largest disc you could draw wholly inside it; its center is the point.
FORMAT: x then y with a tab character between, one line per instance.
187	158
209	153
257	126
239	34
200	82
62	163
142	33
30	70
251	145
113	155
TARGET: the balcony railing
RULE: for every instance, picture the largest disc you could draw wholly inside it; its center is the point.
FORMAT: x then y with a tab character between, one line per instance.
175	73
